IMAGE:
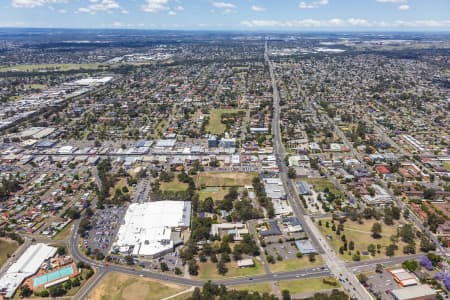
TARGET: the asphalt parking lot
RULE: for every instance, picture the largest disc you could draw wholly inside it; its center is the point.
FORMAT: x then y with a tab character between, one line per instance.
379	283
106	223
285	249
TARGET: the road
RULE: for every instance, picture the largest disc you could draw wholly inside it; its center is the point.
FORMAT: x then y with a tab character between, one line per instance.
418	223
335	264
319	271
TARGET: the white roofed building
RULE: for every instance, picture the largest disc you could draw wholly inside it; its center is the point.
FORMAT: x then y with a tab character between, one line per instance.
27	265
148	228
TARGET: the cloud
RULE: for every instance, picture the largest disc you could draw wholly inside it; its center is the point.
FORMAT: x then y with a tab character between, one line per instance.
315	4
34	3
258	8
344	23
392	1
154	6
172	13
403	7
101	6
225	7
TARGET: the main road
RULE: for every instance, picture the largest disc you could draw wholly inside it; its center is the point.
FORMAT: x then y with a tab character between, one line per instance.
334	263
335	266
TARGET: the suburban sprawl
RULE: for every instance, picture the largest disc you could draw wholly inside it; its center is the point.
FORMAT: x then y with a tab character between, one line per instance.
191	165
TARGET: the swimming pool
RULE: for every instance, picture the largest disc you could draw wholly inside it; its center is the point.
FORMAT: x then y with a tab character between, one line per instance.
52	276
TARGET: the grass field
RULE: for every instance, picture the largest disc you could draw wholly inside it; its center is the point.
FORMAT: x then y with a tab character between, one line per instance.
447	165
307	285
361	235
119	185
7	247
118	286
320	184
49	67
173	186
217	193
257	287
215	179
295	264
215	125
64	234
208	270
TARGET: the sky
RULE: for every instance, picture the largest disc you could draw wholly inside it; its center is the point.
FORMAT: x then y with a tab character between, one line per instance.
253	15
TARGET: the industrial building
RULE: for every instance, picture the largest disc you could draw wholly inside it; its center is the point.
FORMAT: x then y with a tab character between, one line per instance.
418	292
27	265
152	228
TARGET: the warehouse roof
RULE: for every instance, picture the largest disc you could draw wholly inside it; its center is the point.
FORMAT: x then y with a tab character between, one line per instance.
27	265
148	226
413	292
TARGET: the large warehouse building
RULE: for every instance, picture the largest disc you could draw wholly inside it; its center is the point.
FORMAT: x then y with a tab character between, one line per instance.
27	265
153	228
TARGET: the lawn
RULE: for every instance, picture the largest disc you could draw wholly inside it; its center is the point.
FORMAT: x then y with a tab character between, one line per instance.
50	67
307	285
216	179
7	247
257	287
64	234
320	184
447	165
361	235
215	125
118	286
173	186
295	264
208	270
217	193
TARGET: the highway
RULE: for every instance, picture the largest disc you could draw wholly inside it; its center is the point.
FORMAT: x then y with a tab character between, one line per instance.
335	264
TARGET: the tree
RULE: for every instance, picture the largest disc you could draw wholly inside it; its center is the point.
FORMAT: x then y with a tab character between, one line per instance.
61	250
67	285
208	205
351	245
376	230
178	271
407	233
362	278
193	267
75	282
163	266
25	291
292	173
434	258
129	260
56	291
379	268
286	295
410	265
221	268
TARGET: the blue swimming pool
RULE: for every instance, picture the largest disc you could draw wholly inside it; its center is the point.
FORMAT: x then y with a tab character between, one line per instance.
52	276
